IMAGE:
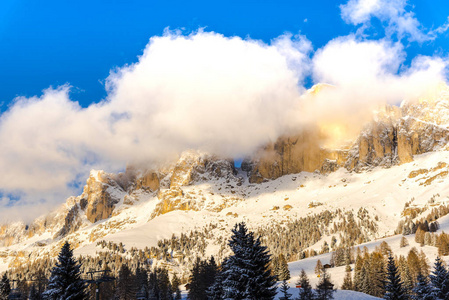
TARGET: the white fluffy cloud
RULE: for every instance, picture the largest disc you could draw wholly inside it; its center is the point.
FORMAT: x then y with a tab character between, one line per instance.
224	95
395	13
366	74
203	91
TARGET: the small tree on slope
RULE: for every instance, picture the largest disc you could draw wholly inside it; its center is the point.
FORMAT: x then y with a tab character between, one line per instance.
393	283
347	280
65	281
284	290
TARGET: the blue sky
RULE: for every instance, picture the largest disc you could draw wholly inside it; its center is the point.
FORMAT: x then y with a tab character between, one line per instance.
104	84
49	43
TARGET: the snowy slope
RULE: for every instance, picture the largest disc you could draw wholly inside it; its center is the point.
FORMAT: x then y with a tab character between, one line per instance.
382	192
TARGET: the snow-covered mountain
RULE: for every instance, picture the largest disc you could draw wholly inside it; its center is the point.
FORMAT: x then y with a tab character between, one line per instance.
397	164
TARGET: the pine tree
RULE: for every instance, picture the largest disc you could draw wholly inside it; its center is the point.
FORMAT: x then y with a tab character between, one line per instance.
153	287
126	284
141	282
377	274
284	290
404	242
215	291
175	283
325	288
247	274
197	290
358	280
5	287
305	292
440	281
347	281
65	281
261	285
163	282
275	267
422	290
284	272
318	268
393	283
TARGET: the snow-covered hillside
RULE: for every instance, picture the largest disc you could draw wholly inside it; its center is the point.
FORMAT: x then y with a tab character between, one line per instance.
382	192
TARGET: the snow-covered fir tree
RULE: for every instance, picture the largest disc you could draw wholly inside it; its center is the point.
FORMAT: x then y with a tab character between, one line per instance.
65	282
247	274
440	280
305	292
393	283
215	291
422	289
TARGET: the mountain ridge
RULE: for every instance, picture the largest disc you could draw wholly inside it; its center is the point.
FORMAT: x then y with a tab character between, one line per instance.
200	187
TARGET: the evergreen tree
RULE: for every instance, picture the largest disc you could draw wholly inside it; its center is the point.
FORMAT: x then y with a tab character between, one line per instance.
284	272
215	291
175	283
422	290
65	282
141	282
247	274
440	281
347	281
275	267
318	268
325	288
284	290
305	292
209	271
126	284
393	283
164	285
197	290
377	274
5	287
358	280
153	287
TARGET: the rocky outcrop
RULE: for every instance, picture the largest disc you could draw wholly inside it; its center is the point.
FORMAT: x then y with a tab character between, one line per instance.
193	166
294	154
394	136
100	202
149	181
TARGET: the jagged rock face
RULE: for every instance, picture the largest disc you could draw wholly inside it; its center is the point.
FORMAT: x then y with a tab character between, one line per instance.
100	203
294	154
192	167
196	166
11	233
150	181
394	136
170	200
377	144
